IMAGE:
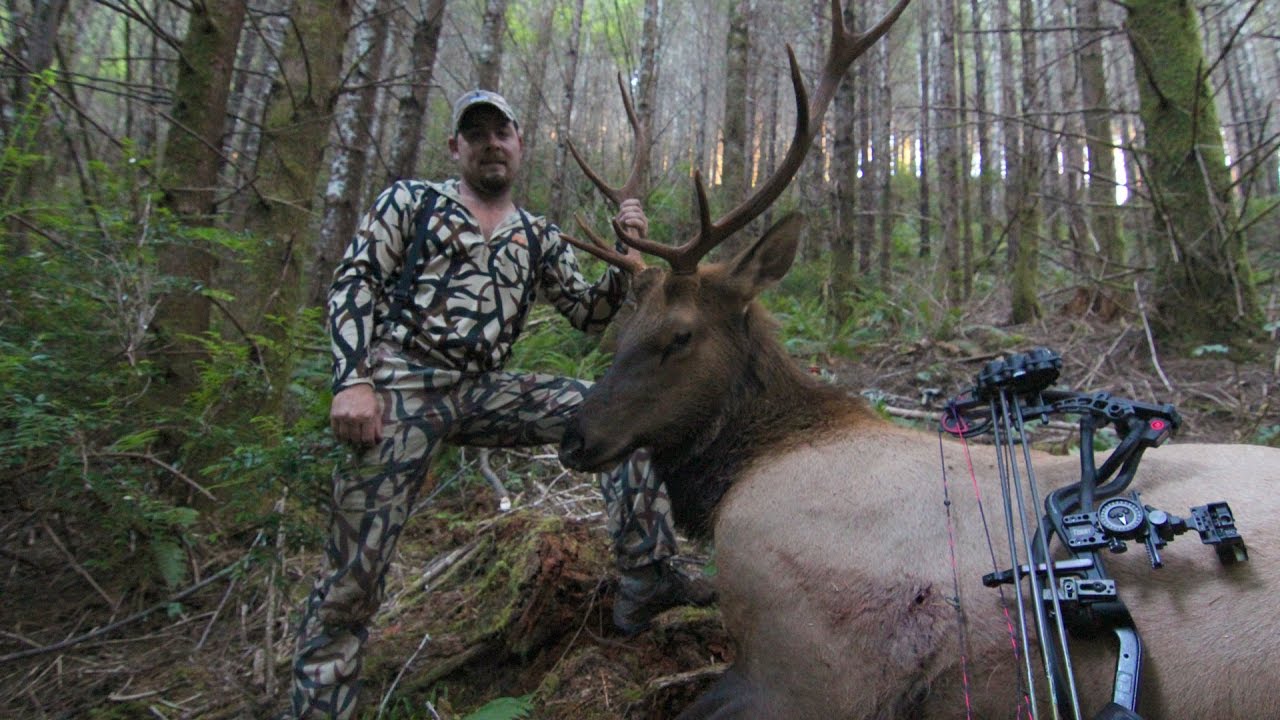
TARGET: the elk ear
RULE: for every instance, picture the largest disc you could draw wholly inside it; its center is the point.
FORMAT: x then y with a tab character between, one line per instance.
768	260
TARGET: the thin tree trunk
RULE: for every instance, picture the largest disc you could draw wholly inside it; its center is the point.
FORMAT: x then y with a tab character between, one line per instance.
814	194
770	141
1071	142
566	112
885	161
864	225
295	128
190	177
251	89
1024	234
22	117
531	119
406	138
986	171
952	276
844	159
1102	214
646	102
735	176
489	60
349	157
926	221
964	164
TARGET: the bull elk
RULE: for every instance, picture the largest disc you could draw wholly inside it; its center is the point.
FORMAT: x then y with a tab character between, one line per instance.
834	571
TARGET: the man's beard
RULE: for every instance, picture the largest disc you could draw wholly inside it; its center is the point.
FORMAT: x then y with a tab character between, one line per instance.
493	185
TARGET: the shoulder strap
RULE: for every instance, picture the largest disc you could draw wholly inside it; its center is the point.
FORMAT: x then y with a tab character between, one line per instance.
535	252
402	294
535	243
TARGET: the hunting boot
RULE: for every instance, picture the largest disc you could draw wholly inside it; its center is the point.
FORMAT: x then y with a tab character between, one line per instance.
646	591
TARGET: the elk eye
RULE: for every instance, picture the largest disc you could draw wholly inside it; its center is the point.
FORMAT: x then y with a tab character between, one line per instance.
679	341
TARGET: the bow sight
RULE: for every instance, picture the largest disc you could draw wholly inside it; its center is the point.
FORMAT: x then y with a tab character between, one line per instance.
1076	594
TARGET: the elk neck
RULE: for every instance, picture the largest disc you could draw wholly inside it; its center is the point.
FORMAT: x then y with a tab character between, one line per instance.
771	406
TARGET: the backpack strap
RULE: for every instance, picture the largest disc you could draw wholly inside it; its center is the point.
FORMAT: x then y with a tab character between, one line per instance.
402	293
535	256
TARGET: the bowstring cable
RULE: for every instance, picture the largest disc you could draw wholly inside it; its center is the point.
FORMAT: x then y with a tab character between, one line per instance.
1050	574
955	583
962	427
1006	468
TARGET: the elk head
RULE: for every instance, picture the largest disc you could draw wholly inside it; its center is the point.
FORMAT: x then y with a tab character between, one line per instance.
697	341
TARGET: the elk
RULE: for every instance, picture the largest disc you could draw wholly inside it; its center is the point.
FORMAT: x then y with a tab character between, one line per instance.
833	569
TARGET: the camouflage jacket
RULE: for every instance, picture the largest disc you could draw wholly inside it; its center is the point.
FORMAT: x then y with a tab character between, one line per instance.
471	295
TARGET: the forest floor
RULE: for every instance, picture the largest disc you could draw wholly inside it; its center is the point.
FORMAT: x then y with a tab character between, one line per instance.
511	609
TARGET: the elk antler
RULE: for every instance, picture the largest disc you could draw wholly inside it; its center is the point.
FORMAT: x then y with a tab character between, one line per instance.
632	188
845	47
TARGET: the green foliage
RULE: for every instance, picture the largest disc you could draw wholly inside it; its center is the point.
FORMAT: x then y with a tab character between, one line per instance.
550	345
1214	349
504	708
1267	435
88	434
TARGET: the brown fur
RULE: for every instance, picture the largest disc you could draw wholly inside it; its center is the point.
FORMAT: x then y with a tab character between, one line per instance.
835	573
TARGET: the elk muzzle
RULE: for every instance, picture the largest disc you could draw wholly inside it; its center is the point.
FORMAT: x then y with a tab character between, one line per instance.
588	451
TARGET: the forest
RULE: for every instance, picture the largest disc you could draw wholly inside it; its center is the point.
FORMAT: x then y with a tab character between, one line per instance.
179	179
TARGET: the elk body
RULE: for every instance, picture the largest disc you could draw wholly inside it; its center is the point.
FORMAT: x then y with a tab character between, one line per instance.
834	563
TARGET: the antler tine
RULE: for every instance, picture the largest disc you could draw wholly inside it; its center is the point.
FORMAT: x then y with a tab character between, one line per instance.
633	187
845	48
631	262
684	259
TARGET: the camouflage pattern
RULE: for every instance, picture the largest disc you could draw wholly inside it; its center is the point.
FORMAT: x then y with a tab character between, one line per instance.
438	380
472	294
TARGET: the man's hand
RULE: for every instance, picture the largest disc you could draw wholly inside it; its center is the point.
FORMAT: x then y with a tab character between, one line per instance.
632	219
355	415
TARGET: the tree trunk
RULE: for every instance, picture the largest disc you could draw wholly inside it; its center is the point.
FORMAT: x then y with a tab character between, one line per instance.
647	100
406	138
295	129
531	119
1024	233
1099	143
948	130
1203	292
190	177
1248	113
864	225
987	173
735	173
885	160
926	221
22	116
844	169
1070	142
489	60
770	140
566	112
251	88
964	164
349	157
814	191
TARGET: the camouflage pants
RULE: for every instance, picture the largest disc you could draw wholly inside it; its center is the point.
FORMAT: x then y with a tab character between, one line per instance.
423	407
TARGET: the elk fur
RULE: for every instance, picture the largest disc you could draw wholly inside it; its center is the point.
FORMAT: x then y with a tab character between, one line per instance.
833	563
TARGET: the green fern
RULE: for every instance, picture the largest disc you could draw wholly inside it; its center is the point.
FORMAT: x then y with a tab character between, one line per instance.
504	708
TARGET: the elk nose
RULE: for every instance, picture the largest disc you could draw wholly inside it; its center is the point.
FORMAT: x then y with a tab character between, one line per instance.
571	446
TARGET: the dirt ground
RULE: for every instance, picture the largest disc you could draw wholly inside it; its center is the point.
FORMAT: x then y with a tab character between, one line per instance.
514	607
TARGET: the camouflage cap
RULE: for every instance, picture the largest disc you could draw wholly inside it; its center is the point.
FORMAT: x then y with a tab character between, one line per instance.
472	98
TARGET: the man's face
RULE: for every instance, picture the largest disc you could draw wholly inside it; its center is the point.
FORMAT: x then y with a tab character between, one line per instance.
488	149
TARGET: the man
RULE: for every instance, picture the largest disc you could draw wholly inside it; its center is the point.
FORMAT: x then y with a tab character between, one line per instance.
424	309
